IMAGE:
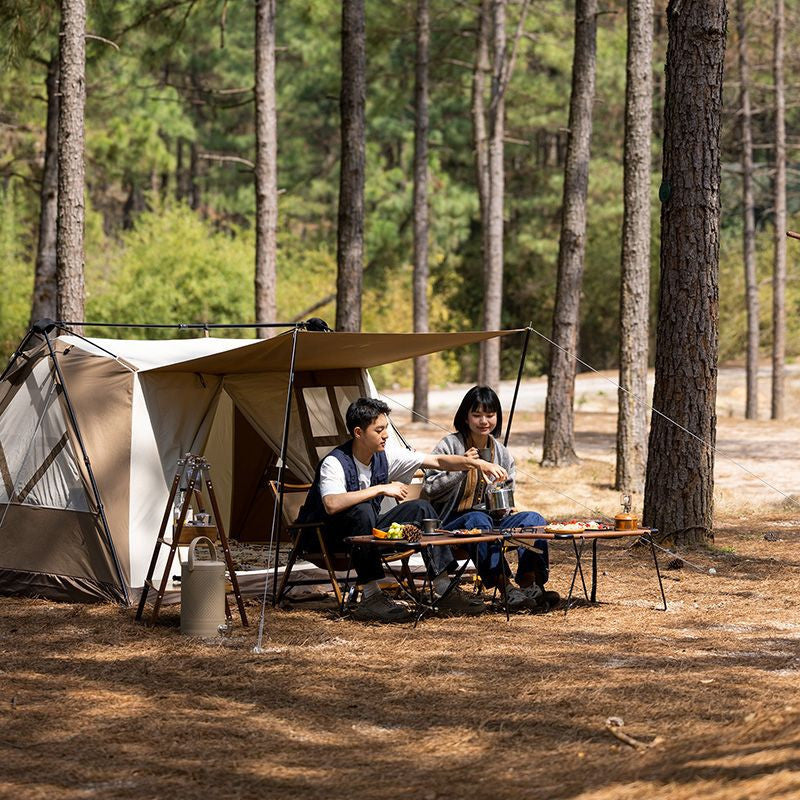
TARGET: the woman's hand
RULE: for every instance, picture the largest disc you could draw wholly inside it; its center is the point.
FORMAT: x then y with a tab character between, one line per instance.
472	453
492	472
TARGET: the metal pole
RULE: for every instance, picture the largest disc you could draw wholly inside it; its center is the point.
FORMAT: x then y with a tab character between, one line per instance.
17	354
519	379
88	463
202	326
277	511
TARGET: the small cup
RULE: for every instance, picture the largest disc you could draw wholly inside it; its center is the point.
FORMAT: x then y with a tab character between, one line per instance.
485	453
430	525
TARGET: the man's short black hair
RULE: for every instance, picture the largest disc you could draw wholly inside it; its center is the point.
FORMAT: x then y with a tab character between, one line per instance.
364	412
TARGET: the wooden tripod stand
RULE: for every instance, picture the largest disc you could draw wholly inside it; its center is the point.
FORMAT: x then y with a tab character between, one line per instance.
199	474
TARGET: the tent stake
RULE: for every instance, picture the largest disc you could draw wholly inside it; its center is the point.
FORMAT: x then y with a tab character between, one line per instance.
519	379
88	463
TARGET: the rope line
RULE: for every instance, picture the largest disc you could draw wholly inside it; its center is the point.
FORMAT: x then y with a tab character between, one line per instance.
635	397
638	399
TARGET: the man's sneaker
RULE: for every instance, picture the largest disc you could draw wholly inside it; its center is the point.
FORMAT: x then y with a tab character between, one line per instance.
516	598
534	598
541	599
380	608
459	602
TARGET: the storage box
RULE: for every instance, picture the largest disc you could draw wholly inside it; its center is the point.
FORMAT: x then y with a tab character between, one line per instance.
188	532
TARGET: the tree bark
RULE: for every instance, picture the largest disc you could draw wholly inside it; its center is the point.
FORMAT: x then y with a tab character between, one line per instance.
634	306
194	184
266	171
679	498
779	266
421	206
45	286
748	217
350	233
481	142
489	368
558	447
71	211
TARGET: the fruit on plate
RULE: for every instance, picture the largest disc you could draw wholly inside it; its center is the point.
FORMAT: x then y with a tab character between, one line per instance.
411	533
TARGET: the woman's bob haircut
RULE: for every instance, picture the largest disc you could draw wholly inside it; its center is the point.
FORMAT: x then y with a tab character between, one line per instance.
478	398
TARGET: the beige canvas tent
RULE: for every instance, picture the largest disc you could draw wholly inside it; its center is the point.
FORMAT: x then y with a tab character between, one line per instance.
91	431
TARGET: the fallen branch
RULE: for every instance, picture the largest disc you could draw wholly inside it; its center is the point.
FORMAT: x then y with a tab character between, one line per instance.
613	724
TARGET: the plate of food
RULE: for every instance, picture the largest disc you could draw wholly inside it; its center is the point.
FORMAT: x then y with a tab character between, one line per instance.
565	527
469	532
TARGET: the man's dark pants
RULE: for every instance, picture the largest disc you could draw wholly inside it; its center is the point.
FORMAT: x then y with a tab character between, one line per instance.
359	520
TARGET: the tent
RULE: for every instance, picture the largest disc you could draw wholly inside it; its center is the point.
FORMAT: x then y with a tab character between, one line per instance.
91	431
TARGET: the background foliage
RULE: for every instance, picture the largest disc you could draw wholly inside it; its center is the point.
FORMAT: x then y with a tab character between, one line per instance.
182	79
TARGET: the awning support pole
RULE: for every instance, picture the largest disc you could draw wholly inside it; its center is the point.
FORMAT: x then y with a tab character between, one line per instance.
519	380
88	463
277	511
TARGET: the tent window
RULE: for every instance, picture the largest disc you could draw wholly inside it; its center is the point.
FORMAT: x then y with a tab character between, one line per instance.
38	465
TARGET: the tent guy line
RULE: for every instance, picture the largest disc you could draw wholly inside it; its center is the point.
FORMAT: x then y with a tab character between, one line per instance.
647	405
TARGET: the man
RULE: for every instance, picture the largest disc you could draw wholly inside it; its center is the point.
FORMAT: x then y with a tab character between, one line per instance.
347	493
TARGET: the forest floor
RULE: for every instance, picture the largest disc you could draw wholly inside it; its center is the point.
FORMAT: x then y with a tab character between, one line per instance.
94	705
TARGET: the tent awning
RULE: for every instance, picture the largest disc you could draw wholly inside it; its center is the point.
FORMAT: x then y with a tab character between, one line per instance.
322	351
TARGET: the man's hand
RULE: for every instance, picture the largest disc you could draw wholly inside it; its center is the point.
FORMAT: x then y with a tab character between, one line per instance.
395	489
492	472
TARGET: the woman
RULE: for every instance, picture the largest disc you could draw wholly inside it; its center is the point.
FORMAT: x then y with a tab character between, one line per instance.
459	500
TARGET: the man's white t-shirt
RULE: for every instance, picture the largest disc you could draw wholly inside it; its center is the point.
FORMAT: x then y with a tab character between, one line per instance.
402	466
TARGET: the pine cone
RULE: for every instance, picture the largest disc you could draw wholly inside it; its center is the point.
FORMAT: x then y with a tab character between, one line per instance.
411	533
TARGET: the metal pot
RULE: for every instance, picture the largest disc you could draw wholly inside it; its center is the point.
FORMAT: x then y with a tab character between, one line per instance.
500	498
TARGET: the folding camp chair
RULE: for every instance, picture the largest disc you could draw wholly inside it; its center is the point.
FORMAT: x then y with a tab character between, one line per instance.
308	539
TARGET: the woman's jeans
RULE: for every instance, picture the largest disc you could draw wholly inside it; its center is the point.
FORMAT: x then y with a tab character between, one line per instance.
488	556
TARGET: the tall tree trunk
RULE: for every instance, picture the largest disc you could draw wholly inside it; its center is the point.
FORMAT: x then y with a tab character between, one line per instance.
350	233
481	142
634	305
194	183
748	217
180	172
266	172
679	498
558	447
45	288
69	239
489	368
779	267
421	205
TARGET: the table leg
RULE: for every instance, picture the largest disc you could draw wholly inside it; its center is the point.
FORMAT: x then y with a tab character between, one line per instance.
658	571
578	555
594	570
346	590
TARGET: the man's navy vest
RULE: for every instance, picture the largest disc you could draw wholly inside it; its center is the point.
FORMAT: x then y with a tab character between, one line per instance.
313	509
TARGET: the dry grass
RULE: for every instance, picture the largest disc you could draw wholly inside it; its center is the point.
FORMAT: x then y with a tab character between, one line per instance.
94	705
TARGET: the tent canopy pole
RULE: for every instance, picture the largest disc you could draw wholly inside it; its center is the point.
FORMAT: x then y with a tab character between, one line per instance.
519	380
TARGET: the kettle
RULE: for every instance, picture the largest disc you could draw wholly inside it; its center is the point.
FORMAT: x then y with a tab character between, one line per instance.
499	498
202	592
